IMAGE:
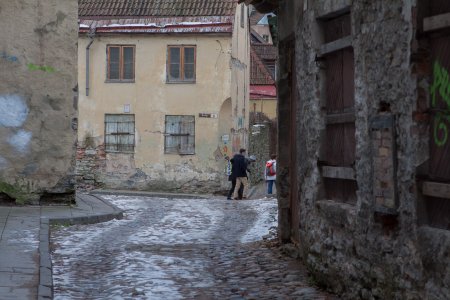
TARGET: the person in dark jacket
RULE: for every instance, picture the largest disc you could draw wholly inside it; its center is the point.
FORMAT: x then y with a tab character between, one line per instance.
239	170
232	178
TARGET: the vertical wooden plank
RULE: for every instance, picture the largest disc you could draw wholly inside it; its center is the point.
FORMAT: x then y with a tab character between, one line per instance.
334	88
437	7
440	110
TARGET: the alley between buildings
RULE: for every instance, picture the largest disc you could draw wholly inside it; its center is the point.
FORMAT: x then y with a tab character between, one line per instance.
178	249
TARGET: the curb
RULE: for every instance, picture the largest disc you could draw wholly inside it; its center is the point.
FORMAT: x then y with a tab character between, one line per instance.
45	288
170	196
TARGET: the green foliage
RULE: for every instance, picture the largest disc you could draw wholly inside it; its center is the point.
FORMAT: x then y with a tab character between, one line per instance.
14	192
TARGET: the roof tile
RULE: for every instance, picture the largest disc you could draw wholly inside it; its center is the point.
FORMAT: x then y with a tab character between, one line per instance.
162	8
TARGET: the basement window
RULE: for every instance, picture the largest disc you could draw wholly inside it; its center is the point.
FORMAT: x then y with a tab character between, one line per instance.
180	135
119	133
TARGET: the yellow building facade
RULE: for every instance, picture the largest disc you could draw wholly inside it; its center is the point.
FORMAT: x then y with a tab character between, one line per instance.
161	100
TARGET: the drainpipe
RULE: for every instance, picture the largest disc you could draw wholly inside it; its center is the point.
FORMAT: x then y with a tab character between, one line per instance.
91	35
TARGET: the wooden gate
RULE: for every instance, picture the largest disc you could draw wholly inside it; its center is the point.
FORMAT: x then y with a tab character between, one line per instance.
437	188
339	143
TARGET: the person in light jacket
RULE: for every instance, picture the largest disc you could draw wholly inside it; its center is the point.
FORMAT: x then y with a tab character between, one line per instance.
270	173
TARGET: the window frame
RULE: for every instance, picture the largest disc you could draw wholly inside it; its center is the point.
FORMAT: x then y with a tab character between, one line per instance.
182	64
167	135
133	134
121	63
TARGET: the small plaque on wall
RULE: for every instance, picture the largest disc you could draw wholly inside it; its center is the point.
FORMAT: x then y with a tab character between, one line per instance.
126	108
207	115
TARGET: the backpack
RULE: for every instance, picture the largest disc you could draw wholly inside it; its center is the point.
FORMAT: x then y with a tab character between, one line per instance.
269	169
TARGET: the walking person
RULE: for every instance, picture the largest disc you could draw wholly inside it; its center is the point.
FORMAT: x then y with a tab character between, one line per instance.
270	174
239	170
231	177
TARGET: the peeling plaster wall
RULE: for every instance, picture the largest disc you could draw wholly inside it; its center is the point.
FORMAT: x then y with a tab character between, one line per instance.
38	76
150	99
353	249
221	84
240	79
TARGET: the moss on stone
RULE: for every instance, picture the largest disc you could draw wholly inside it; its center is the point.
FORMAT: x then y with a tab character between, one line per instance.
14	192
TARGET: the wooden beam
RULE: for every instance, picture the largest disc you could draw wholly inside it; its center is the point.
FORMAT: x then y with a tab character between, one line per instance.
338	172
348	117
436	22
436	189
335	46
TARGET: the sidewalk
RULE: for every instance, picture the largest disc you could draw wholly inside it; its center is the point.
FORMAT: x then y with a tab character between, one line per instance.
25	263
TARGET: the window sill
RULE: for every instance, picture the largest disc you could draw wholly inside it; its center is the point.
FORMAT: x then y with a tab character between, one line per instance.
119	152
180	82
120	81
180	154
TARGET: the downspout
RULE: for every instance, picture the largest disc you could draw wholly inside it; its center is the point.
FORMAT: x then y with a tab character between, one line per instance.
91	35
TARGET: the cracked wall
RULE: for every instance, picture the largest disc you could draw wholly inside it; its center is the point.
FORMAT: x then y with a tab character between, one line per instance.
38	79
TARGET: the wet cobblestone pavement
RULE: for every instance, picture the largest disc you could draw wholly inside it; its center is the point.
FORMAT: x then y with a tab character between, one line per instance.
177	249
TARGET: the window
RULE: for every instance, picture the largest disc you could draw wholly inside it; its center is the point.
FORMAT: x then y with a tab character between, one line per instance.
181	63
119	133
180	135
120	63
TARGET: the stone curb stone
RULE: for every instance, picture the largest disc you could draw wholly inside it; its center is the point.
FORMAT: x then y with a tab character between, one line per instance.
149	194
45	289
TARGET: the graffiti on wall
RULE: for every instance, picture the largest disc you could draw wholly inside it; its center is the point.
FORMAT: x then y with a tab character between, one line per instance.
33	67
441	87
13	114
13	110
20	140
8	57
3	162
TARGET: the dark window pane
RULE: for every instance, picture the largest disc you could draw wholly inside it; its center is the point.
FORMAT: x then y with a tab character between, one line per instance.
174	55
189	55
174	60
128	63
189	72
114	59
174	72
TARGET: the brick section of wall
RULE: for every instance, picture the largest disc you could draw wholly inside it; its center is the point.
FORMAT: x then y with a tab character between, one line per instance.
89	162
384	152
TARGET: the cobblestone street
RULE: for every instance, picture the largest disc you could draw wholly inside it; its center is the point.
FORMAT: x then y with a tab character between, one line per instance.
178	249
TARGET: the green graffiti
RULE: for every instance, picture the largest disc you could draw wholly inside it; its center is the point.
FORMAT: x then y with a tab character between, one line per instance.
33	67
441	87
440	130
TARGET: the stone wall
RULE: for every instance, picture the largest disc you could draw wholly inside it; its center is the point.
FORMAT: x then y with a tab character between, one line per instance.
375	248
259	146
38	99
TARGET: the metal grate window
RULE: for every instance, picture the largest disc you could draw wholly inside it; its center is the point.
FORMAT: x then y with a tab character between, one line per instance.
180	135
119	133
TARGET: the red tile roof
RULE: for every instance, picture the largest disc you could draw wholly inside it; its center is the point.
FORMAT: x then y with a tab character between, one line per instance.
266	51
259	75
156	8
